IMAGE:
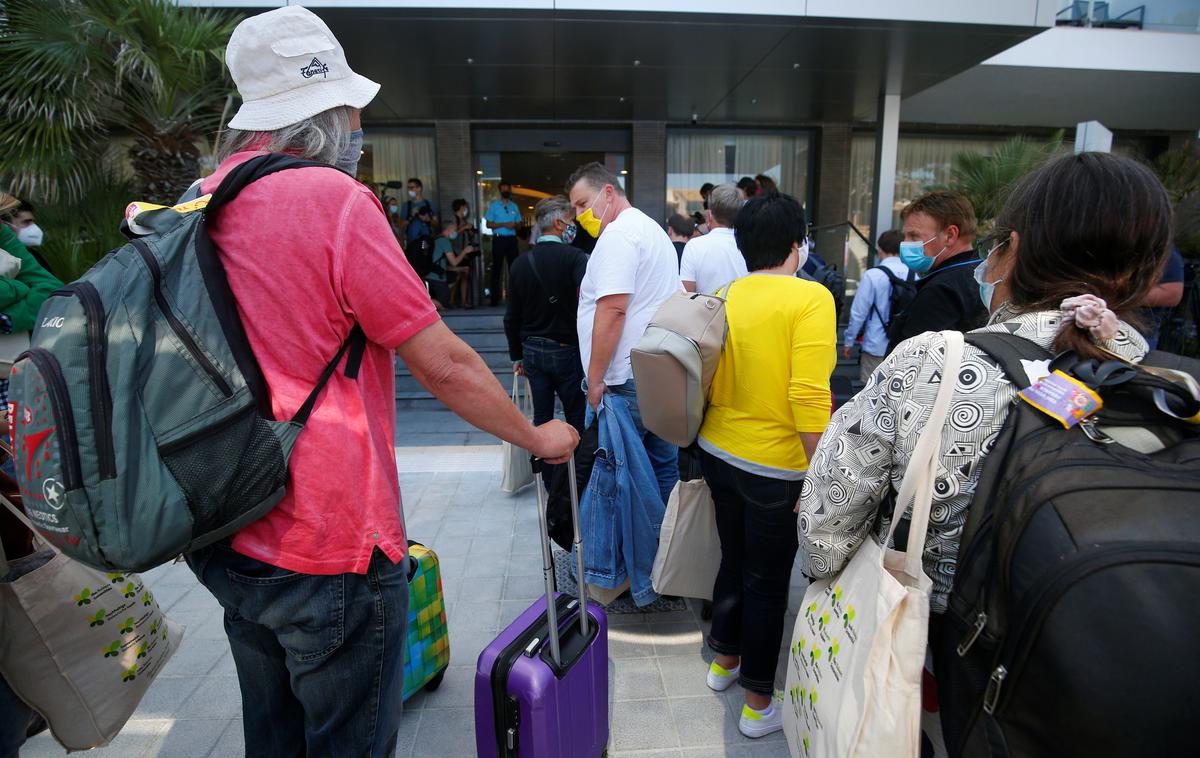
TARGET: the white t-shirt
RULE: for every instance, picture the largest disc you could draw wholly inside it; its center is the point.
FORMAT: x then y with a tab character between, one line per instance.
712	261
634	257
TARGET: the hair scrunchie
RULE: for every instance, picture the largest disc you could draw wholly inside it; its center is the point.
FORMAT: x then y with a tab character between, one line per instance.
1093	314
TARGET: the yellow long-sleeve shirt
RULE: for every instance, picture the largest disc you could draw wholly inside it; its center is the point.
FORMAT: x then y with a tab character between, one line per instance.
773	379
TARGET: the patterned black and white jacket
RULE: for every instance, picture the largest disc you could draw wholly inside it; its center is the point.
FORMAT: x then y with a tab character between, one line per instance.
861	458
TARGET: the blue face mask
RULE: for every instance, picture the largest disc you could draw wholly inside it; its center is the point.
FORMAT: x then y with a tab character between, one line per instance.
348	161
987	289
453	235
912	254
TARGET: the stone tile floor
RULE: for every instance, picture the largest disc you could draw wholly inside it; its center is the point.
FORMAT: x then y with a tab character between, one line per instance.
488	544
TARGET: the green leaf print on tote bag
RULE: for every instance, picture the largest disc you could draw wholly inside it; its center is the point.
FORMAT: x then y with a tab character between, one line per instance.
78	645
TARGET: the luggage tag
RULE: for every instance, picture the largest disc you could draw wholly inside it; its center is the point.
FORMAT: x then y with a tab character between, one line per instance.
1063	398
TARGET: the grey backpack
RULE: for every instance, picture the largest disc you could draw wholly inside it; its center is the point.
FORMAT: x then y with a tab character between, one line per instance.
141	420
674	363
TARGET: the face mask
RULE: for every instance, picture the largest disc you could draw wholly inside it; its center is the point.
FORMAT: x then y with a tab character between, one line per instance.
506	195
589	220
31	236
913	255
348	162
453	235
412	194
393	209
568	235
802	256
466	212
987	289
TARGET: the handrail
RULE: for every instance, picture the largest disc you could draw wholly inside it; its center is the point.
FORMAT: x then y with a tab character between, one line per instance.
847	223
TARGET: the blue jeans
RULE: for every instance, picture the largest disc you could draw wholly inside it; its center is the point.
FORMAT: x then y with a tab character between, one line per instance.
320	659
554	368
664	457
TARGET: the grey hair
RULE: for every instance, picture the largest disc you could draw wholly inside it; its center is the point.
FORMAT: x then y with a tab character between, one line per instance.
323	137
551	209
596	176
724	202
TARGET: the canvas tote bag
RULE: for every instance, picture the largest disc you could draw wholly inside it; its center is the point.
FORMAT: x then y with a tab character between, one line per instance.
689	550
858	647
517	471
81	647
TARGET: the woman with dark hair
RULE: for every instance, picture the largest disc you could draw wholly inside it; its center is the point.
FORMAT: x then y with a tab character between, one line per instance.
748	186
768	404
1078	245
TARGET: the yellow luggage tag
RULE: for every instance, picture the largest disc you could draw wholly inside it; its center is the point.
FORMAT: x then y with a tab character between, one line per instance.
1063	398
136	208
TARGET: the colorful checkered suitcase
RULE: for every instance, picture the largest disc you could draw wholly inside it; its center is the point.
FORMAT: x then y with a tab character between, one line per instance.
427	647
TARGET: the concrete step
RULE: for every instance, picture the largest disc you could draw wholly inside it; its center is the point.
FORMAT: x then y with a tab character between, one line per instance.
479	318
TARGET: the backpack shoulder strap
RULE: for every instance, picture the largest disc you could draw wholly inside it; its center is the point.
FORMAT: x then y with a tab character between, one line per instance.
253	170
354	347
1008	350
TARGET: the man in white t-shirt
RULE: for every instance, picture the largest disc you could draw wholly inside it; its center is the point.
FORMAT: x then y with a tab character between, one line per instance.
632	270
712	261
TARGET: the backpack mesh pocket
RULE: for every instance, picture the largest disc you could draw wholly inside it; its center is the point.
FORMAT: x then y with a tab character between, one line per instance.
228	471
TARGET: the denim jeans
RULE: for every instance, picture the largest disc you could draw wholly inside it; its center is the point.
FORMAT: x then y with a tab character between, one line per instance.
15	720
320	659
554	368
756	522
664	457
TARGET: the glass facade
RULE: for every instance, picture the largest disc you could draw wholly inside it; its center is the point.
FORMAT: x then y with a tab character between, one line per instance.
695	157
395	155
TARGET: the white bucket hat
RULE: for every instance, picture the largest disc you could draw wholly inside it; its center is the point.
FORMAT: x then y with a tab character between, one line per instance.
288	66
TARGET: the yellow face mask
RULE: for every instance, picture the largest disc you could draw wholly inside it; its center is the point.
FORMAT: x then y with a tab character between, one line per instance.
589	220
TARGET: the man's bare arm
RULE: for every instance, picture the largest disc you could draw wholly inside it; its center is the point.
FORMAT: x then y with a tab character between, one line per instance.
456	375
607	326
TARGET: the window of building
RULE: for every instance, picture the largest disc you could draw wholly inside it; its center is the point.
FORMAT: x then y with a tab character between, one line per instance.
695	157
395	155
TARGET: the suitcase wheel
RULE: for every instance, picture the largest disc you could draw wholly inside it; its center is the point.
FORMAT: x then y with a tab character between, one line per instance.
435	682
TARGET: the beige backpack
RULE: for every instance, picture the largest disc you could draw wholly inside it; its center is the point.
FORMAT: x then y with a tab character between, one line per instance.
674	363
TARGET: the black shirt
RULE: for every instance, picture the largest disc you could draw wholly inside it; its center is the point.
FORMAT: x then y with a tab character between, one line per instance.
947	298
530	313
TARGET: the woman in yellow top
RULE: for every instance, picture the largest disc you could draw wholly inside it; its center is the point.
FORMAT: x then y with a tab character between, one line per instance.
768	405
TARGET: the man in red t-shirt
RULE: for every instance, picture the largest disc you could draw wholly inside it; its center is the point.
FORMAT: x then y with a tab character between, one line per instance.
315	593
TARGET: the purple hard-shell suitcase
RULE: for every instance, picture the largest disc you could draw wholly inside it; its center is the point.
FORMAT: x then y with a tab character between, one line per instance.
541	687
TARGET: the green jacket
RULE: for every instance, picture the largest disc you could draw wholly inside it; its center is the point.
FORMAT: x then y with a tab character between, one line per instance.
21	297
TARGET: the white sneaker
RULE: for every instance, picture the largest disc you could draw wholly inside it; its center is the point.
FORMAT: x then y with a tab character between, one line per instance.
755	723
719	679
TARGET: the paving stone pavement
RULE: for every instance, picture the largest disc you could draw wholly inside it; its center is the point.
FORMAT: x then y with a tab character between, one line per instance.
491	562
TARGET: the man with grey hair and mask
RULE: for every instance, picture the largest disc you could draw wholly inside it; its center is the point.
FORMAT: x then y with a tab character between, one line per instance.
714	260
540	321
315	593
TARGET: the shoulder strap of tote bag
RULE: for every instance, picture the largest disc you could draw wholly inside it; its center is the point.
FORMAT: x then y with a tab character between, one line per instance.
917	486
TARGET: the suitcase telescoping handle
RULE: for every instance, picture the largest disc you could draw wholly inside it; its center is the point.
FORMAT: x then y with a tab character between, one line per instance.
548	558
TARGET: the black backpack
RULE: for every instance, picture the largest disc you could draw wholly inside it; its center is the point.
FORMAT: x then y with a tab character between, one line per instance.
832	280
419	252
903	292
1073	627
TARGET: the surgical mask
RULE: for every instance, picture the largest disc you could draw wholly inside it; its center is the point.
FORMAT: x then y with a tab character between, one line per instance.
31	236
506	195
453	235
803	256
589	220
913	255
568	235
393	209
412	194
987	289
348	161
